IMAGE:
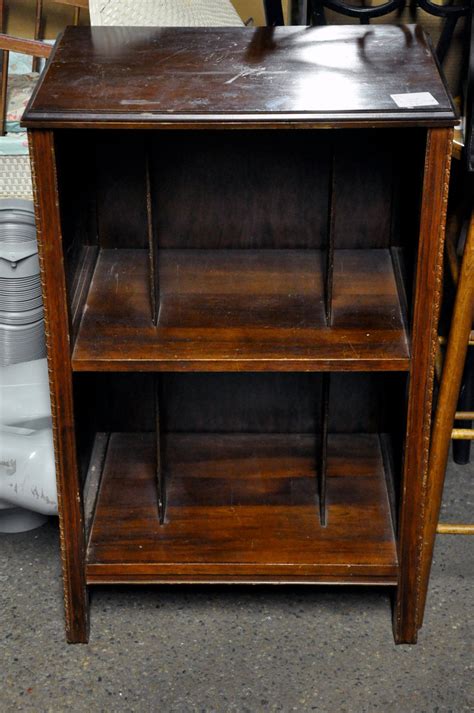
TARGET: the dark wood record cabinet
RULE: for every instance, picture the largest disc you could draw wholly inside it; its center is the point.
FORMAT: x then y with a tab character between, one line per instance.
241	236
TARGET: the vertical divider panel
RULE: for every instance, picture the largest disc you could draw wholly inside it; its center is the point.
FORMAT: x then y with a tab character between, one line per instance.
328	296
160	473
329	276
323	458
152	236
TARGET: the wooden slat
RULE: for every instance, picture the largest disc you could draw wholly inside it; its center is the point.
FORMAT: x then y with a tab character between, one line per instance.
448	528
4	91
462	434
38	31
30	47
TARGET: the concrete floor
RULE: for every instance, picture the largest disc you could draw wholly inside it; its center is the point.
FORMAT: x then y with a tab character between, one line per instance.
236	649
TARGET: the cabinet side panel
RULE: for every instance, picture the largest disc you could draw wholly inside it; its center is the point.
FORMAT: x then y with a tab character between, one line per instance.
409	607
50	250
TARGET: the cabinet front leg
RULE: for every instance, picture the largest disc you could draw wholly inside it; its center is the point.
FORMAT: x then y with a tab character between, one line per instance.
57	330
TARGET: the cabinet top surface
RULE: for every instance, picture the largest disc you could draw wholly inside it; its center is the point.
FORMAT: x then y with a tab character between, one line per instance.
129	76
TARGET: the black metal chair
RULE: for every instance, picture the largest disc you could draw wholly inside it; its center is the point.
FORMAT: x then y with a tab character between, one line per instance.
312	12
462	446
273	12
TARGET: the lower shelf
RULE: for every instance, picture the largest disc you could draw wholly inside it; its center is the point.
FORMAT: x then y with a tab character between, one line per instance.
242	508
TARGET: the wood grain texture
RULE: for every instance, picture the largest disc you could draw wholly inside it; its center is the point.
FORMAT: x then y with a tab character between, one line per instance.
5	61
60	378
38	31
238	227
242	506
34	48
242	310
247	75
408	610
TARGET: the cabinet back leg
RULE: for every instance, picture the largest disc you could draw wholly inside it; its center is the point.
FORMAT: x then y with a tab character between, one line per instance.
415	493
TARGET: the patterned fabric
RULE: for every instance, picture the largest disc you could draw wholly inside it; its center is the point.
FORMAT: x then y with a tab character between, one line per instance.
19	63
14	144
20	87
164	13
15	172
15	177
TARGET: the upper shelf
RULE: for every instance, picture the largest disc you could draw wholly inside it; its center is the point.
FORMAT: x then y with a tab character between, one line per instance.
152	77
242	310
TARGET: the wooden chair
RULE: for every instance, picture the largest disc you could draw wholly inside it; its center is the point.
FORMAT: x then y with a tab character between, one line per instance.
461	337
464	152
15	175
34	48
273	12
457	347
78	6
15	172
5	56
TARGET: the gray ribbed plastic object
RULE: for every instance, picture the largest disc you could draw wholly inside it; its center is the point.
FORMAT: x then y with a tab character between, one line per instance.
21	307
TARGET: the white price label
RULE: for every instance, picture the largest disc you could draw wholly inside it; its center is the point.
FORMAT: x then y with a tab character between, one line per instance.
411	100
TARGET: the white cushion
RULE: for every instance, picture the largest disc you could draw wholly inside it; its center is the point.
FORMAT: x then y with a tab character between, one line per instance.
164	13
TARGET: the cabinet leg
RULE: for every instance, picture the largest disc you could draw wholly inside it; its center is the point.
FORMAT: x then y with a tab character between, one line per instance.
77	617
56	321
404	632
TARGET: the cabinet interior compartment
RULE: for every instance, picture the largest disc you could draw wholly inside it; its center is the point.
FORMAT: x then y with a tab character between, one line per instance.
236	460
240	308
240	250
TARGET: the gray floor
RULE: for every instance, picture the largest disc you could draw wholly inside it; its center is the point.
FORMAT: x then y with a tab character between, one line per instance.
236	649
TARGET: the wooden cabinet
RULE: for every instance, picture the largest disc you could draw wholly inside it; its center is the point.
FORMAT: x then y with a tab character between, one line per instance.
241	246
